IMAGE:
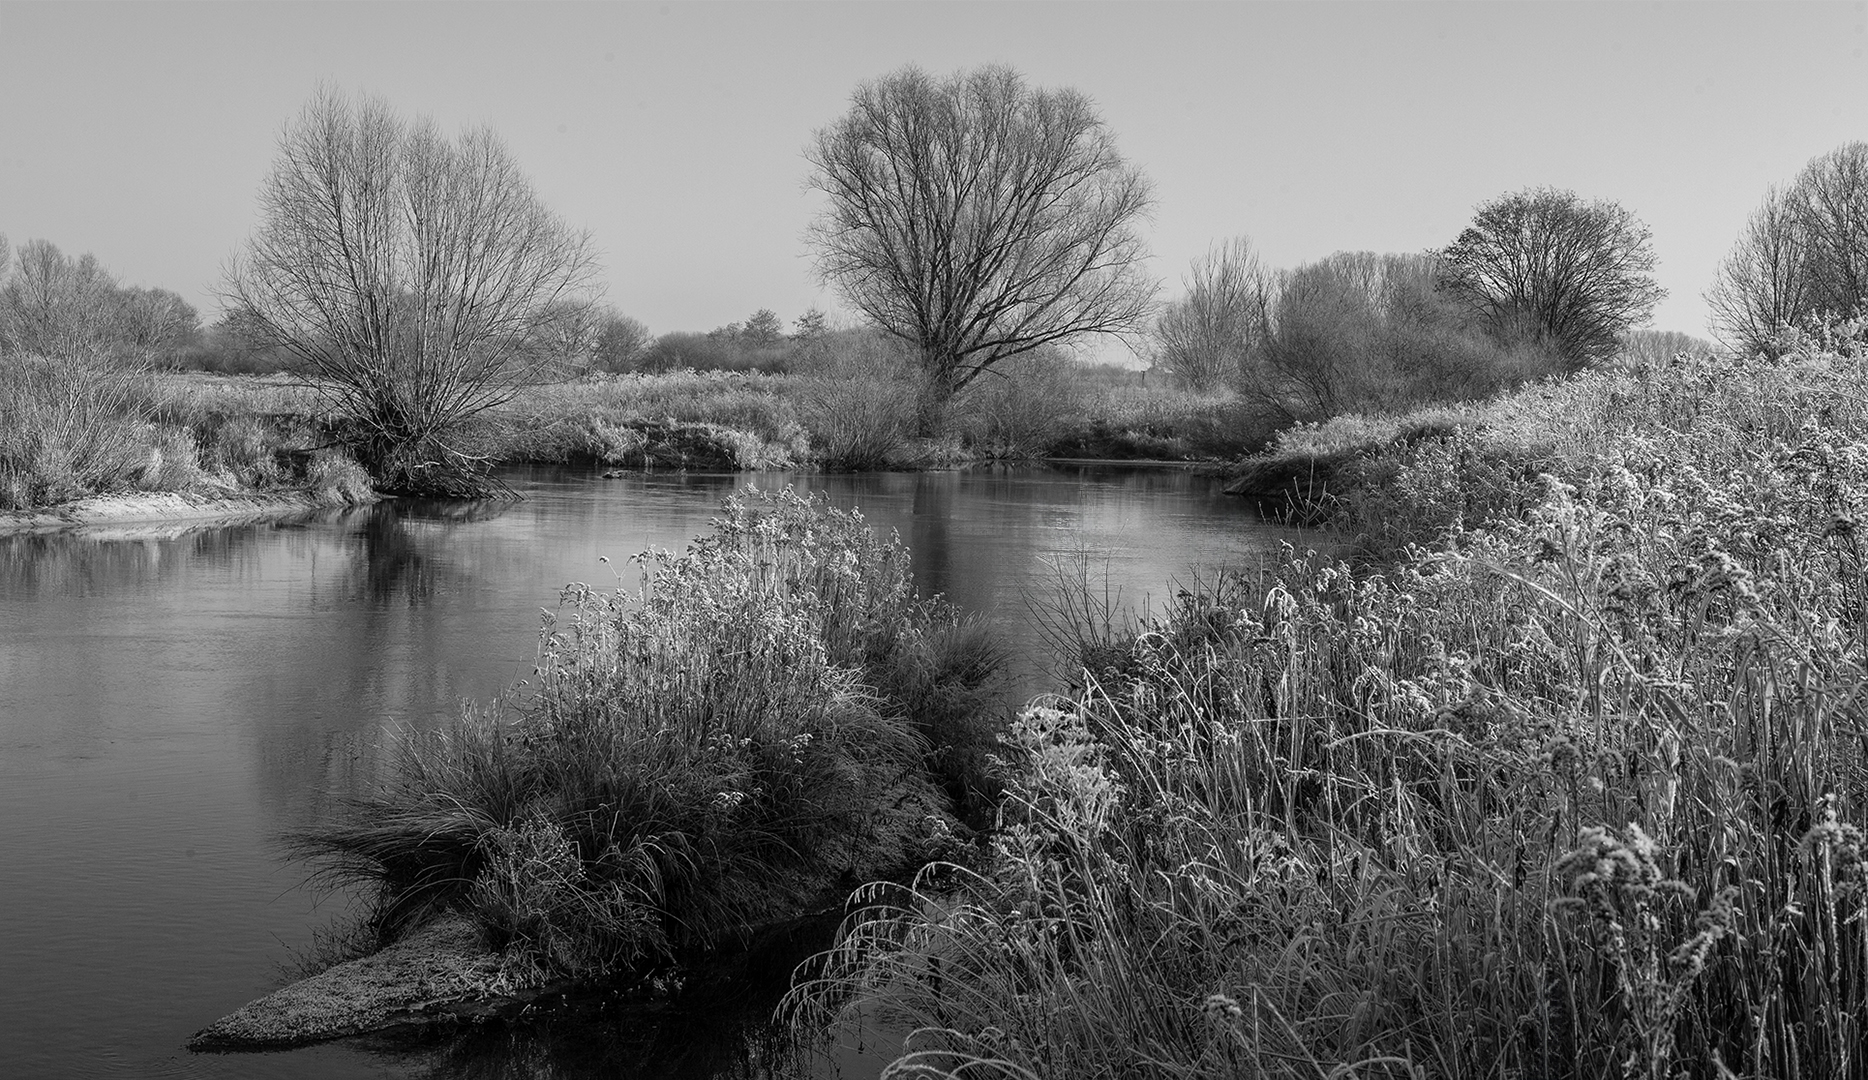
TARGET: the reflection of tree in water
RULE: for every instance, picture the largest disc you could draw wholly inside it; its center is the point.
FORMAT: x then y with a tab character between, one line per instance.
719	1026
106	561
396	564
930	533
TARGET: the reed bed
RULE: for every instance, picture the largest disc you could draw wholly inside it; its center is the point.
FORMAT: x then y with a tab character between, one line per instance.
1578	793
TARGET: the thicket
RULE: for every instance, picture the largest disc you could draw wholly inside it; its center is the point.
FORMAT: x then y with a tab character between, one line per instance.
1577	793
769	716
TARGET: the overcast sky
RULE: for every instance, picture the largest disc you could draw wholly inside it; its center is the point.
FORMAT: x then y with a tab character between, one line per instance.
674	132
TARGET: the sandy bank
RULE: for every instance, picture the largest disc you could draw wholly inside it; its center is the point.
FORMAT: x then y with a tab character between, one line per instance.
156	508
442	973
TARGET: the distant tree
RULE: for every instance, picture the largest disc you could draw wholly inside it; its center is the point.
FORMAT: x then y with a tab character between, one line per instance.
763	329
1802	259
1647	347
154	323
1359	331
620	341
6	258
1206	339
1544	263
810	325
412	274
976	218
57	306
1761	287
566	336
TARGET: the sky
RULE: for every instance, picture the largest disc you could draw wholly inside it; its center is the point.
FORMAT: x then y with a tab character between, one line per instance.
675	132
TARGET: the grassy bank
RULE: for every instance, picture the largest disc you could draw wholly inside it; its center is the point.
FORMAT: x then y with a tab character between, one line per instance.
771	718
859	421
69	429
1582	794
1394	480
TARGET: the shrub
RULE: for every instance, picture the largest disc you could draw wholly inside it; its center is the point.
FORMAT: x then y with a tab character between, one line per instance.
708	753
861	398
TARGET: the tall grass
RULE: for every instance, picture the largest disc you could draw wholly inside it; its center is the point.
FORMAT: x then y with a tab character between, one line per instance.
715	750
71	428
1582	794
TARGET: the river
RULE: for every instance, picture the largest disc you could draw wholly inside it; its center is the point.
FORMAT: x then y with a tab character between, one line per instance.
174	698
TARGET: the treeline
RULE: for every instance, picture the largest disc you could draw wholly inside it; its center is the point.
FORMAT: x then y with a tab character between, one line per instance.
69	307
1541	283
54	305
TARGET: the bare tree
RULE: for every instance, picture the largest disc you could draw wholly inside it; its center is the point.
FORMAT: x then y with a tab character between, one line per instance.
154	323
1545	262
620	341
1802	259
57	306
567	335
1760	288
412	275
1206	339
976	218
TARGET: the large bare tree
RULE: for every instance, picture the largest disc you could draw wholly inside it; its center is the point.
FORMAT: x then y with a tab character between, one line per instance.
412	274
1802	259
1544	262
978	218
1206	339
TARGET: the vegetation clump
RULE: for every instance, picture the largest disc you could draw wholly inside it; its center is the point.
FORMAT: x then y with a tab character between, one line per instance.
771	718
1582	792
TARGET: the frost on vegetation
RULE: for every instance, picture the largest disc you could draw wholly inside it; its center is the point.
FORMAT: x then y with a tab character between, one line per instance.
1561	796
704	754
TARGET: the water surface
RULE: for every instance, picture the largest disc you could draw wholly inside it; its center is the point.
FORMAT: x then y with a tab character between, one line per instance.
173	698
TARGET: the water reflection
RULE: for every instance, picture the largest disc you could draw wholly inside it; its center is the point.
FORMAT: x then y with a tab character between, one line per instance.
174	697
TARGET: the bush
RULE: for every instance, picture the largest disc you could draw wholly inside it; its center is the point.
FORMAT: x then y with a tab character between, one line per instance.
709	753
1022	407
861	399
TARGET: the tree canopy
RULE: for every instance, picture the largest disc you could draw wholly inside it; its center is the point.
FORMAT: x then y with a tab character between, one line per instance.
1545	264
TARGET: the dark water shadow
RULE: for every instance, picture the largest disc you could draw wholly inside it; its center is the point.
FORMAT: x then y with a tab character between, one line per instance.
718	1026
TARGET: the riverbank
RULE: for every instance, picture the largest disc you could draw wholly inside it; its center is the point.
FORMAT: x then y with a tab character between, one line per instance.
161	508
1575	790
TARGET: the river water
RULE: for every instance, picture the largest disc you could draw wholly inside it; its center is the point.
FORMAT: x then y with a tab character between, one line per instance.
174	698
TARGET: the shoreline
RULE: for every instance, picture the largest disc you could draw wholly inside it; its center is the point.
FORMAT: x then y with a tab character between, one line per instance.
163	507
154	507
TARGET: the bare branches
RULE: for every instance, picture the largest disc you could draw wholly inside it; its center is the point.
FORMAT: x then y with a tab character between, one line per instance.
1207	339
419	277
1802	258
1548	264
978	219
